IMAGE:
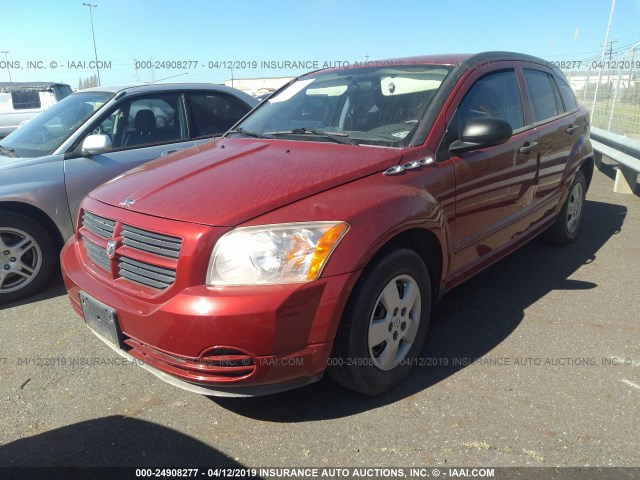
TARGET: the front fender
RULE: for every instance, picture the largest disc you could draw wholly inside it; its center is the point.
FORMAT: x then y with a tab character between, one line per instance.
377	209
41	185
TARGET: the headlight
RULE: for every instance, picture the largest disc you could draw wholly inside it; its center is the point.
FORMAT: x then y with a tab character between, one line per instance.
268	254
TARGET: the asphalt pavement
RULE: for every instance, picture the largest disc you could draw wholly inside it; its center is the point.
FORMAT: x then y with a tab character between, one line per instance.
534	362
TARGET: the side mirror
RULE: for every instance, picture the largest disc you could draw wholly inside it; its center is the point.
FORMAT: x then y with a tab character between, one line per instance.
482	132
96	144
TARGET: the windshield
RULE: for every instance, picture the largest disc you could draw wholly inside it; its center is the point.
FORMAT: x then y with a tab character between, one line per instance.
47	131
369	106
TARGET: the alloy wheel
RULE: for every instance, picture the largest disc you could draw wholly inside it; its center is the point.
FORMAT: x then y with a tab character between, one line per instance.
20	259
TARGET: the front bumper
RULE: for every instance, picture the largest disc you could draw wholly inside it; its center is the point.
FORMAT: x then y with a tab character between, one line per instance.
231	341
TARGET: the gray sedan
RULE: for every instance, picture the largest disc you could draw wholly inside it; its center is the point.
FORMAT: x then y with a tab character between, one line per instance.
49	164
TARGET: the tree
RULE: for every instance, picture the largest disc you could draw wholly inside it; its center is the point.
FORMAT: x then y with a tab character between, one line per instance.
92	81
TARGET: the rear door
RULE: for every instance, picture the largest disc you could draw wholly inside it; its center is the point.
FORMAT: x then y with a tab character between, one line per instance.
493	185
557	130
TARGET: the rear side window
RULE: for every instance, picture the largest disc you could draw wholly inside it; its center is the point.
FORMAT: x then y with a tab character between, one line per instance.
495	95
25	99
544	102
568	96
214	113
61	91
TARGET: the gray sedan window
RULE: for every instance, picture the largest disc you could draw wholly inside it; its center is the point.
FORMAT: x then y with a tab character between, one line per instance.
145	121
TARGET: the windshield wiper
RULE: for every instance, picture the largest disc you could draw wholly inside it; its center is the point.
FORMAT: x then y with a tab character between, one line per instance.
242	131
333	136
9	152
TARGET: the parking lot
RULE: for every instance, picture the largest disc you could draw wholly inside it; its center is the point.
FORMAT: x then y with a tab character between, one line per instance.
535	362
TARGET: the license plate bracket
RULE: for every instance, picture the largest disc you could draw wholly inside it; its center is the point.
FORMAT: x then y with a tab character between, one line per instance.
101	318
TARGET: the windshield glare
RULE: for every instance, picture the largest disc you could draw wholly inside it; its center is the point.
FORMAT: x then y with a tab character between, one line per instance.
47	131
374	106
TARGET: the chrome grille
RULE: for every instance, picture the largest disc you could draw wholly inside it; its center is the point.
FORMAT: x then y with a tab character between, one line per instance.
102	227
150	242
144	273
97	254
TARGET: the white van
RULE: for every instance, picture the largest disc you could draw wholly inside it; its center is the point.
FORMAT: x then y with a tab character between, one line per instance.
20	102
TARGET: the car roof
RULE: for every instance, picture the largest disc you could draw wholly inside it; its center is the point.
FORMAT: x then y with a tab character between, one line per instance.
17	86
167	87
456	59
461	60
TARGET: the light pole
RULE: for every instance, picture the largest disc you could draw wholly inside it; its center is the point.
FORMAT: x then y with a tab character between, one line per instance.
95	52
6	61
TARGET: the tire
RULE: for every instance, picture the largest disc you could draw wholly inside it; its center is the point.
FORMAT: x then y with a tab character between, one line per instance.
567	226
389	308
27	257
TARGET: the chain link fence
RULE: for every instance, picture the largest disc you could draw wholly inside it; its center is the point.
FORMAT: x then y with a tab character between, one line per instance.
610	89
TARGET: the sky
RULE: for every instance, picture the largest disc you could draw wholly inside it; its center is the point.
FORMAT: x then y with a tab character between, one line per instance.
50	40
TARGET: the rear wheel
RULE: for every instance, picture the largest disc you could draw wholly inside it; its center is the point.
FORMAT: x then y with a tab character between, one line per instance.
567	226
27	257
384	325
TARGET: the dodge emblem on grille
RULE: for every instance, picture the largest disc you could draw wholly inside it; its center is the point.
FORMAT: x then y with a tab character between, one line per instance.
111	248
127	202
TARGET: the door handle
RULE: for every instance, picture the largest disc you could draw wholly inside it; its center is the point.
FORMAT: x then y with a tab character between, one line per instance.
169	152
571	129
529	147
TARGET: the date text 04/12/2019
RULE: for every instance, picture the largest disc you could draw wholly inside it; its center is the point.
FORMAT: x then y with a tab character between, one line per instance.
595	64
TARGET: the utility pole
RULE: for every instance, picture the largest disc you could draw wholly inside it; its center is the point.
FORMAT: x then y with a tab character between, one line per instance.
606	39
610	48
586	85
6	61
93	33
633	54
135	66
153	70
610	58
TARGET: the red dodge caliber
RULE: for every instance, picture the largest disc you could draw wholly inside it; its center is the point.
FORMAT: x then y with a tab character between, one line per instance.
318	232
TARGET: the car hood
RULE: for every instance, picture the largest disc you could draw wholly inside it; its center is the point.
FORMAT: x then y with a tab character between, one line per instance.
232	180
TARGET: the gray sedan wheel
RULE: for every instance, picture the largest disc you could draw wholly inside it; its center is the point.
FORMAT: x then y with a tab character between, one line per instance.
20	259
27	257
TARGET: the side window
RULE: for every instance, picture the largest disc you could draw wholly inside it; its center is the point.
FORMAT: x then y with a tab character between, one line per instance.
568	96
543	97
495	95
25	99
61	91
214	113
144	121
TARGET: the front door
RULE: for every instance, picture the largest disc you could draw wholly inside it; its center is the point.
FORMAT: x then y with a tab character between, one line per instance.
141	129
494	186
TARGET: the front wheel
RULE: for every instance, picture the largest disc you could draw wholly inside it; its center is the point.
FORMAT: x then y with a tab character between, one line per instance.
27	257
384	324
